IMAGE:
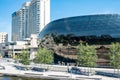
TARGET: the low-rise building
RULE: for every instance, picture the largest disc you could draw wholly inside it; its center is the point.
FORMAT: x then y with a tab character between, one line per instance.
11	49
3	37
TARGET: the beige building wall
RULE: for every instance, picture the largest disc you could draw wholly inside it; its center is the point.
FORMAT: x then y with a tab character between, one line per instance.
3	37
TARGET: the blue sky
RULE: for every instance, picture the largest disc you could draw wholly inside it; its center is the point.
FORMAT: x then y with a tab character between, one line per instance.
59	9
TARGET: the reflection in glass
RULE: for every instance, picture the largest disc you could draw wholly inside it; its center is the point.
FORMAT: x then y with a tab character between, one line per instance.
96	30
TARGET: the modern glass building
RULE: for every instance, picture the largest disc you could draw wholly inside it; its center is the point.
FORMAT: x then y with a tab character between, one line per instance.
20	23
30	19
64	35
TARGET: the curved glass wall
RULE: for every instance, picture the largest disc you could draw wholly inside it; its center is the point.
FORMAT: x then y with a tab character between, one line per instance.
64	35
85	25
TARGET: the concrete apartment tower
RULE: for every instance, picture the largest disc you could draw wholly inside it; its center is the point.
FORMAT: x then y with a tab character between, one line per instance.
45	13
30	19
39	12
3	37
16	25
20	23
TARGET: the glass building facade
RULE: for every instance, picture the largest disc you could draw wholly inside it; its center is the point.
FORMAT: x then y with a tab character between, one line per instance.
30	19
64	35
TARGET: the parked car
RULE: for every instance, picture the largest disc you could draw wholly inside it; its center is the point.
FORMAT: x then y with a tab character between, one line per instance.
21	68
38	69
74	70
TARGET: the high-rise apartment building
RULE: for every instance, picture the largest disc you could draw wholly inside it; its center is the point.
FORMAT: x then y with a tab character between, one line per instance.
39	15
30	19
16	25
3	37
20	21
25	20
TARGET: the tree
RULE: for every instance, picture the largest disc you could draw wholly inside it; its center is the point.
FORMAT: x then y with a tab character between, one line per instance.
44	56
24	57
115	55
86	55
